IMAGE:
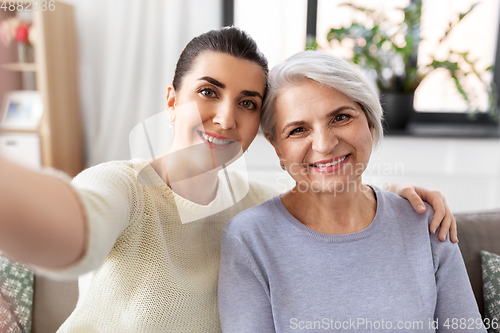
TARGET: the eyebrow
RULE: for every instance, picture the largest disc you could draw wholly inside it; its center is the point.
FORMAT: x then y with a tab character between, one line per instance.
332	113
212	81
221	85
251	93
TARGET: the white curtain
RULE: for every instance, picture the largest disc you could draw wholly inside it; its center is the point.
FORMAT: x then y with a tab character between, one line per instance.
127	52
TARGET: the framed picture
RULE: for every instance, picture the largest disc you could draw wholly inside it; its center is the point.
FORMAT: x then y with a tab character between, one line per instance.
22	110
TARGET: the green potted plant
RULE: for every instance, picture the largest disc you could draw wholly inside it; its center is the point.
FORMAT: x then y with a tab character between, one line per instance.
379	47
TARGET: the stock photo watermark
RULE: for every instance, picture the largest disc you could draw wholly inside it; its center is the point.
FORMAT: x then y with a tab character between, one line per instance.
28	6
401	325
184	148
348	175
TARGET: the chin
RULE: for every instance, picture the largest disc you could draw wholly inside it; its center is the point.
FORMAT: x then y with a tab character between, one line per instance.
329	186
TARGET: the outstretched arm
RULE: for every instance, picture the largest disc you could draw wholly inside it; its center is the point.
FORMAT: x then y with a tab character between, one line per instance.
442	214
41	220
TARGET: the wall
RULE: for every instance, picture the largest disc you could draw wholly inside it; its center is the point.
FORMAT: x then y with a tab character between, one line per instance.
466	171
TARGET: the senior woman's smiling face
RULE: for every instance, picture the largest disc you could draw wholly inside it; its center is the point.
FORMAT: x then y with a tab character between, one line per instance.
323	137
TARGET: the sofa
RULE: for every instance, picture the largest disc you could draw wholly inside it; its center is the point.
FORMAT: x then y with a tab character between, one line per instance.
54	300
476	232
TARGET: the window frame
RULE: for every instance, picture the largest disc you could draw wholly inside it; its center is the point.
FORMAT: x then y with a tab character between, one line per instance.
485	125
457	123
227	13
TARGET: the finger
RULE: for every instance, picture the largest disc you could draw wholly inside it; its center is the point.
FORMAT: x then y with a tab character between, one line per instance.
453	230
416	202
449	218
445	227
439	215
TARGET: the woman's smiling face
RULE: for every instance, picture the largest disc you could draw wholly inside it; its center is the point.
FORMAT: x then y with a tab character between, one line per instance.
218	104
323	137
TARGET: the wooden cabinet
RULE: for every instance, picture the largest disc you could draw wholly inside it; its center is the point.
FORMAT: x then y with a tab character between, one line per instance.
55	67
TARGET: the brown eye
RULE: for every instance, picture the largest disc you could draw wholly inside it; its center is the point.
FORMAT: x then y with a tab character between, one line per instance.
341	117
207	92
248	104
297	130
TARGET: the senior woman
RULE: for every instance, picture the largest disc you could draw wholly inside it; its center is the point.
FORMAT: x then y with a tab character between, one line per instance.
334	253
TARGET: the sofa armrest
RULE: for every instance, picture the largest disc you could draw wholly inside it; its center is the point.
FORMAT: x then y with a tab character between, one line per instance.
478	231
53	302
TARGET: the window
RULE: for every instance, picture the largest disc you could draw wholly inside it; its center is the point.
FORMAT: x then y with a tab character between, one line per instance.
477	33
279	27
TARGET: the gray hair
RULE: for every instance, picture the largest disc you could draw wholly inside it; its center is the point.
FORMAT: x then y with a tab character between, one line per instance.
327	70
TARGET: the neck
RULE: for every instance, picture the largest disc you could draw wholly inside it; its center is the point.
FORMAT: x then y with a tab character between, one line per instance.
333	213
200	188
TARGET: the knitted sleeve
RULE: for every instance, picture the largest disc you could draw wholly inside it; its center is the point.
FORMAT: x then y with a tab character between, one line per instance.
110	196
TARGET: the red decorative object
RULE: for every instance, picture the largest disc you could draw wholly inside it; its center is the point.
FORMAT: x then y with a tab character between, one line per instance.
22	33
15	29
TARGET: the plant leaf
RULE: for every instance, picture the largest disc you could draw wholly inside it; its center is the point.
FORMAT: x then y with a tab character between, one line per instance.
462	15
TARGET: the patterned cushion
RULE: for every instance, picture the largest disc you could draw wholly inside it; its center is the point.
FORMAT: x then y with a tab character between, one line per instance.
16	297
491	290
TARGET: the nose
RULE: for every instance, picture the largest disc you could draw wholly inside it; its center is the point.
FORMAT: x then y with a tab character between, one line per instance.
324	141
225	116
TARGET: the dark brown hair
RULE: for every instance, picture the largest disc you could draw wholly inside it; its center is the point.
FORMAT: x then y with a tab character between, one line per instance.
228	40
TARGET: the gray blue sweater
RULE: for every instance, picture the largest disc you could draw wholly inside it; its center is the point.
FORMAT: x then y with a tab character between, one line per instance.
277	275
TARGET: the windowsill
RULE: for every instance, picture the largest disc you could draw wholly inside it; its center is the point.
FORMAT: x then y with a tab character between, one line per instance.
437	130
449	125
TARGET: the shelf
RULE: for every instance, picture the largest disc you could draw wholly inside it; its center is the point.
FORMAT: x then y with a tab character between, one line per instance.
438	130
55	67
18	131
20	67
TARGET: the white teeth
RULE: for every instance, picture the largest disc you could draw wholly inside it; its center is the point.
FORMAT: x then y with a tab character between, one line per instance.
319	165
214	140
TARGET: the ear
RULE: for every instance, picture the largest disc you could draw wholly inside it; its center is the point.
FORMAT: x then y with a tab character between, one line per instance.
171	99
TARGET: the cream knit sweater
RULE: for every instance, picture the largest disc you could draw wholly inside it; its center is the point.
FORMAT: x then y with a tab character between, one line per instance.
145	270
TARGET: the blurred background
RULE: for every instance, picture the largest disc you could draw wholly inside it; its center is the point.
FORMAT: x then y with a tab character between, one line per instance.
77	76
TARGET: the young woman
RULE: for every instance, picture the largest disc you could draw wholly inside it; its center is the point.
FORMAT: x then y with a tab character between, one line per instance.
145	237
